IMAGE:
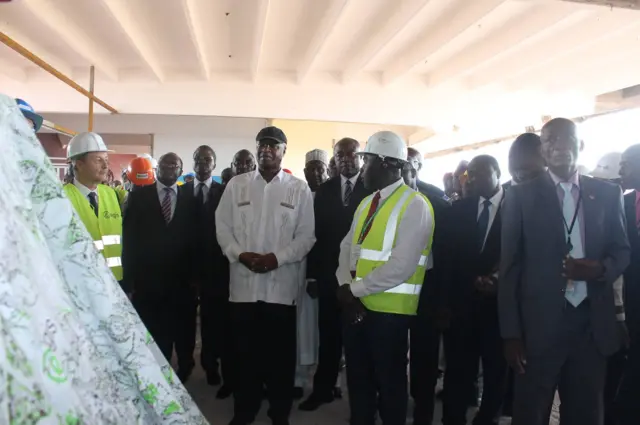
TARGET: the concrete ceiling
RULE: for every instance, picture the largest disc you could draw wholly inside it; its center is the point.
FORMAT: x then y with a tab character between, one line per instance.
483	65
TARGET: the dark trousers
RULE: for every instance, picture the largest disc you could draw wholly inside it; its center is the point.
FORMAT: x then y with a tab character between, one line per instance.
171	323
423	364
615	369
265	346
628	399
574	366
216	332
472	339
376	355
330	336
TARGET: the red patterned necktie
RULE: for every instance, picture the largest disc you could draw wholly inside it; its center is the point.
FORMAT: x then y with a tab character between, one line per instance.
368	221
166	205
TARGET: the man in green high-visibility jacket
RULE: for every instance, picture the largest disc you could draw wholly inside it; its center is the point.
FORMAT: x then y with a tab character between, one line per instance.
97	205
382	264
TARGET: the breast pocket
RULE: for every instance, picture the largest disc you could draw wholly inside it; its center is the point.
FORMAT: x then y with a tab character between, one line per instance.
285	220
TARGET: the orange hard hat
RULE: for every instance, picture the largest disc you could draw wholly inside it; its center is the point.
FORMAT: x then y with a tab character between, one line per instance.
140	172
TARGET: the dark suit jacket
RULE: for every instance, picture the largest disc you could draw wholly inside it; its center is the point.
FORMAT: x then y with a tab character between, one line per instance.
211	267
433	292
632	274
531	295
333	221
469	260
430	191
156	256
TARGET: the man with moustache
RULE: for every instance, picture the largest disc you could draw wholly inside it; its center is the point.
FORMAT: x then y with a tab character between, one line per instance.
243	162
158	257
564	244
265	227
335	203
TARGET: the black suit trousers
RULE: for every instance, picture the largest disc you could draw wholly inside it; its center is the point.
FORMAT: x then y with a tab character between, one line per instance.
330	336
171	322
628	400
265	346
376	354
474	338
423	364
217	335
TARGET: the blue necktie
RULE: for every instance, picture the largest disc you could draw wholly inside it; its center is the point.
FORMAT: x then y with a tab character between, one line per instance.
483	223
576	291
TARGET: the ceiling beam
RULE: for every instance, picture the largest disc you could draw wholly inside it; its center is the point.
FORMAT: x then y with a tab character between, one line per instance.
36	48
121	13
328	23
49	14
575	32
503	40
14	72
197	35
389	28
258	38
454	22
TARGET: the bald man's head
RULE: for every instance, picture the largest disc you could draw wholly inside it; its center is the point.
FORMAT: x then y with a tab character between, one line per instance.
630	168
561	146
415	158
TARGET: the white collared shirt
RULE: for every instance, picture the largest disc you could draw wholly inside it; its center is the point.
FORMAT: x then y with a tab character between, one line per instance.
85	190
493	209
413	235
343	184
174	195
275	217
207	186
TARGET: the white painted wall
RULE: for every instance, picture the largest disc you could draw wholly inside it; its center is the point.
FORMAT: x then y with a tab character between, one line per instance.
225	148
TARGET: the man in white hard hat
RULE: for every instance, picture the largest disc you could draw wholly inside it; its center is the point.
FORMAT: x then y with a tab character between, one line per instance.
96	204
383	261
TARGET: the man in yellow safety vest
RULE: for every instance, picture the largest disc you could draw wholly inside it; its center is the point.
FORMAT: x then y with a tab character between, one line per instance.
383	260
96	204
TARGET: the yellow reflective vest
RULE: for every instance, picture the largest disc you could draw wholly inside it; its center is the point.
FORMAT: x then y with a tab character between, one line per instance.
106	229
376	249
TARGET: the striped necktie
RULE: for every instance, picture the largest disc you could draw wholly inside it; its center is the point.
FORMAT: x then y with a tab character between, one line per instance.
348	190
166	205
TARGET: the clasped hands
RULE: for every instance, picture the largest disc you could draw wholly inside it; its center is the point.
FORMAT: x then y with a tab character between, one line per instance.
259	263
486	284
582	269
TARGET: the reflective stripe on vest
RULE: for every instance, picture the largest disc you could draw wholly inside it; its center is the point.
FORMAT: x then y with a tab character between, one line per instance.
107	240
403	288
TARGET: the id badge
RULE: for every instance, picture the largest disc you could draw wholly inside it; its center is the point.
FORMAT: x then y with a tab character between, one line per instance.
355	256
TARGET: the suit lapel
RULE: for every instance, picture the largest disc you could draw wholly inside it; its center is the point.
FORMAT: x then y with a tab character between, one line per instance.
590	216
548	202
630	212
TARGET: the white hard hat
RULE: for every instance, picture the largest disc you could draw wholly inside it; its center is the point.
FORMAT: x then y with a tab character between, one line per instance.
386	144
84	143
154	162
608	167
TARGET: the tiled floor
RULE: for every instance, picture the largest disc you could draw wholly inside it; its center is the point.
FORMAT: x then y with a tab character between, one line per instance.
219	412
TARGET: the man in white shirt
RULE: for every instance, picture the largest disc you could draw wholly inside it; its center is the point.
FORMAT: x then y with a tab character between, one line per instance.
383	261
265	227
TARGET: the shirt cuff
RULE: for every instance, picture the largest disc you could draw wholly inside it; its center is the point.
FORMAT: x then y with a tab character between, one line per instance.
233	253
357	289
620	317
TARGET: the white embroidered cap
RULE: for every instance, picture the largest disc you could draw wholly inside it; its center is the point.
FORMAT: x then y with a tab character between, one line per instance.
317	155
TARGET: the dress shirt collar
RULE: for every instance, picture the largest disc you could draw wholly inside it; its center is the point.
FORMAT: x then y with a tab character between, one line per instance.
387	191
495	199
278	177
575	179
513	182
353	180
161	187
84	189
207	182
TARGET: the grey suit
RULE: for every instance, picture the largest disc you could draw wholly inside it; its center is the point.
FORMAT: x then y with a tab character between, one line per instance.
566	346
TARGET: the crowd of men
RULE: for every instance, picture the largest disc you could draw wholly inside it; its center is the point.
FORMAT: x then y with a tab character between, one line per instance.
364	259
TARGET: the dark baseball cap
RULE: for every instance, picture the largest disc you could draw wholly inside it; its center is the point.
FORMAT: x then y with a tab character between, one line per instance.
273	133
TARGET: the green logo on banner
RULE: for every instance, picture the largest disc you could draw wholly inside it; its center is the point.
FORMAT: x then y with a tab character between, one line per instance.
52	367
